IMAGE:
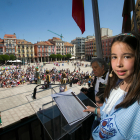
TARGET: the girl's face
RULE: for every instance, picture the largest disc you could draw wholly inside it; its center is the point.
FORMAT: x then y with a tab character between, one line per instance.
98	102
122	60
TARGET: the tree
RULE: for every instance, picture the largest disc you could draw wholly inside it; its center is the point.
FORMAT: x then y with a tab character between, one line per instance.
5	58
53	56
64	56
68	56
59	56
1	58
12	57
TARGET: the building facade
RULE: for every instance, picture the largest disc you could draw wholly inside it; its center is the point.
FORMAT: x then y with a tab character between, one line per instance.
106	32
58	45
89	49
25	51
2	48
80	49
43	50
10	43
106	47
69	49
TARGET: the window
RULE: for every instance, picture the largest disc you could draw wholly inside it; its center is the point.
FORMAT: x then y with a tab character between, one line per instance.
6	50
22	46
46	54
13	50
39	54
27	55
38	46
42	46
18	51
22	51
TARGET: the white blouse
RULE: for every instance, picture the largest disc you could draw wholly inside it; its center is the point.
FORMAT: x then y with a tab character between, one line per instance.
115	95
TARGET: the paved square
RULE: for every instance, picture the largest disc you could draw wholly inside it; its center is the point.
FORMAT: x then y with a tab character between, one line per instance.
14	102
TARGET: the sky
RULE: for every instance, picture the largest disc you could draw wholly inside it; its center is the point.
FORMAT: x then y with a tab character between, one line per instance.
31	19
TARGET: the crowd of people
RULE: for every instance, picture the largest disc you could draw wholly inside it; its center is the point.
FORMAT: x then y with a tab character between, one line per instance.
15	77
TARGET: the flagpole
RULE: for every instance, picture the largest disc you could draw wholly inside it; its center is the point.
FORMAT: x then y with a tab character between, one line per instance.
134	16
97	28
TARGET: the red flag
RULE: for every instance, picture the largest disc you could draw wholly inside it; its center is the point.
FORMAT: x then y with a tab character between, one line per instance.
78	13
127	8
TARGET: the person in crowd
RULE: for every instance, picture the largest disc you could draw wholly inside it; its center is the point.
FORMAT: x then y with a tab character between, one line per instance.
48	79
63	80
89	83
37	76
120	113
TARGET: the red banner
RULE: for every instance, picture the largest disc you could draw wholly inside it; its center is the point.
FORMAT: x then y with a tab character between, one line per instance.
78	13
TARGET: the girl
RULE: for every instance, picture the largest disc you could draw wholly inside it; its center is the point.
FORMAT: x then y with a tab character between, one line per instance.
120	113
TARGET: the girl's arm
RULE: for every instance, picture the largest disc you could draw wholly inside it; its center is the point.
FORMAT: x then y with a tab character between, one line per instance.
92	109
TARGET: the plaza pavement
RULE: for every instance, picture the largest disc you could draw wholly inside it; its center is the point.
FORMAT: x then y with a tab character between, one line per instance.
16	103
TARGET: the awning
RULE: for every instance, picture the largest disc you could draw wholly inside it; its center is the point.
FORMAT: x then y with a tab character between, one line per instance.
17	61
72	57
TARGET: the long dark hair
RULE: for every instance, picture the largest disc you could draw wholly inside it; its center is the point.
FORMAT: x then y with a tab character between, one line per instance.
100	95
133	94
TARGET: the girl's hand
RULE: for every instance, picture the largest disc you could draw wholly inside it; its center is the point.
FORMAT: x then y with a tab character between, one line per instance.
92	109
89	109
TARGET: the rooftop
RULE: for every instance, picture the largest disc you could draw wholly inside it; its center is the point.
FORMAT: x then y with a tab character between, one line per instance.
9	36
